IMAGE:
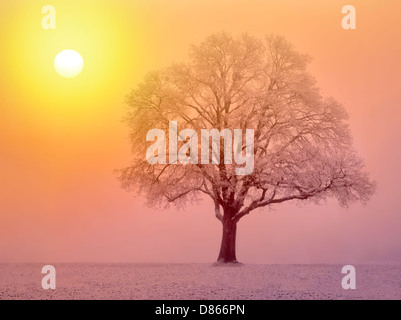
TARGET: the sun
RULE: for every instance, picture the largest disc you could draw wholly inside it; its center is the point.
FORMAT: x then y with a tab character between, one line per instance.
68	63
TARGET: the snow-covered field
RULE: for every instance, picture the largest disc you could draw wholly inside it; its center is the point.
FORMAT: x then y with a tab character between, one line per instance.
199	281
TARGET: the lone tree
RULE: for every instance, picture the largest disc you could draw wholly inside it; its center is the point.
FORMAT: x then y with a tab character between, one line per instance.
302	142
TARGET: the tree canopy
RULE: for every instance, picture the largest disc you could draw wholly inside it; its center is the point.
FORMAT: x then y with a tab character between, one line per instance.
303	145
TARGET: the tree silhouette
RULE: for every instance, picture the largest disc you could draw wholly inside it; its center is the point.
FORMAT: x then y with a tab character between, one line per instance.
302	145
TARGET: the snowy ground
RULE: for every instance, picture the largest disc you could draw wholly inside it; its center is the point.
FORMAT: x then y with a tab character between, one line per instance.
199	281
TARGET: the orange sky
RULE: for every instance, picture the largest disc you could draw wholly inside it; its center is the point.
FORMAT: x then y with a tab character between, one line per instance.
61	139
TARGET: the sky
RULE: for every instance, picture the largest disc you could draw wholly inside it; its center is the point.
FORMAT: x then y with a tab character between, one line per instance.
62	139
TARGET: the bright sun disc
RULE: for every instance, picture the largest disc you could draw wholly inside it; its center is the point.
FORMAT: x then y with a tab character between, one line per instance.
68	63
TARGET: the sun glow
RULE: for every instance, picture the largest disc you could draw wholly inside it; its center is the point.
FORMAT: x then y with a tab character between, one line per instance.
68	63
31	76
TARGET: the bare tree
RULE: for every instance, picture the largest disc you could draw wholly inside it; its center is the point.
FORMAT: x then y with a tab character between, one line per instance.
302	144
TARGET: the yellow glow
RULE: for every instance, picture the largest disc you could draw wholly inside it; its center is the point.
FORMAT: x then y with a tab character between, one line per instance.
68	63
113	54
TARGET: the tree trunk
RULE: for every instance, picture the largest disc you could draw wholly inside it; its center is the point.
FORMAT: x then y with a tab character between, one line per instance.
227	249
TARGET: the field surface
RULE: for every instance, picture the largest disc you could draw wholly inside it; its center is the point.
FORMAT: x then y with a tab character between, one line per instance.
199	281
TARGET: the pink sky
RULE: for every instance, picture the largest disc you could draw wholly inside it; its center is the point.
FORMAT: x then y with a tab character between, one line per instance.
59	199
